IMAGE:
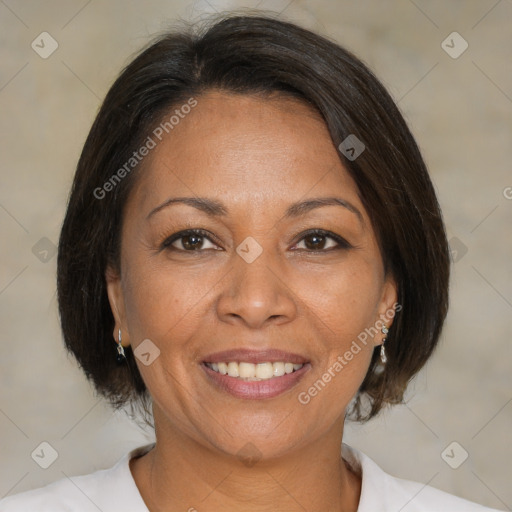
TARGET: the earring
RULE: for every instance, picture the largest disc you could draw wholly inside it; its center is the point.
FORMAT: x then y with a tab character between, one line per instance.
120	358
383	357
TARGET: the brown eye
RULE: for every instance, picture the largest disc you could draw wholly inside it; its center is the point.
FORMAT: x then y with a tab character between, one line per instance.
191	242
188	241
313	242
319	240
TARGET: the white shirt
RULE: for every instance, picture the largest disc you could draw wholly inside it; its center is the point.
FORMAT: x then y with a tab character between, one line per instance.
114	490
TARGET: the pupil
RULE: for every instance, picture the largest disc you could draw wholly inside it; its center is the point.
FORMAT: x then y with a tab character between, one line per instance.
316	239
191	241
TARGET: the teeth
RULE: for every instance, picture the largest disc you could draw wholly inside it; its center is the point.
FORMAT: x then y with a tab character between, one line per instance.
279	369
233	370
250	371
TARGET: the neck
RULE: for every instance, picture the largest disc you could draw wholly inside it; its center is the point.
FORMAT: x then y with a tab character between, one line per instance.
179	473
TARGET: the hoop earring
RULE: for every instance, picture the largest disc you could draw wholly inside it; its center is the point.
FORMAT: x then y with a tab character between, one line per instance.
121	357
383	357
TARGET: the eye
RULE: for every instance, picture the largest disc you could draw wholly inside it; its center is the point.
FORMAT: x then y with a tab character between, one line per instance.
316	240
193	240
189	240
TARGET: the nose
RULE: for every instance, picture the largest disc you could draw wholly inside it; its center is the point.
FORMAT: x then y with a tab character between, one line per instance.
256	293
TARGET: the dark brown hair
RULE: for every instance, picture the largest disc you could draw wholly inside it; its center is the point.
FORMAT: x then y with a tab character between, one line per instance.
256	55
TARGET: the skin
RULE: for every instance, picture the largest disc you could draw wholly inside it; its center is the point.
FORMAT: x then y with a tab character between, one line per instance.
257	156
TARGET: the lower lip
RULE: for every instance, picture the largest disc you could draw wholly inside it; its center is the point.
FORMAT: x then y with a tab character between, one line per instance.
259	389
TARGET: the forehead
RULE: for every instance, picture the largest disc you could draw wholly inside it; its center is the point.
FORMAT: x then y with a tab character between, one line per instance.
247	149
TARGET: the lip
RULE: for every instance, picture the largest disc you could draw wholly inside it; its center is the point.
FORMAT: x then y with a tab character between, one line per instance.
255	390
255	356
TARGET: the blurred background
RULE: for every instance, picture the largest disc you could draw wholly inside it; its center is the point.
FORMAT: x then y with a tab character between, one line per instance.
448	66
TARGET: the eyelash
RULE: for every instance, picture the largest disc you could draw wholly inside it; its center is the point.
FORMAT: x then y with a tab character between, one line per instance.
342	243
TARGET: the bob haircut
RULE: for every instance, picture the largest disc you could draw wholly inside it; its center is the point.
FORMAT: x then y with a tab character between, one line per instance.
255	55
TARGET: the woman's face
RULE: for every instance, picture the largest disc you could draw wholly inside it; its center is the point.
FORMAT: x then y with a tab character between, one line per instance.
255	280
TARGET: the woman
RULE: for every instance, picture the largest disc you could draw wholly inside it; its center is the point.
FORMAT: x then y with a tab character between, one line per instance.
253	223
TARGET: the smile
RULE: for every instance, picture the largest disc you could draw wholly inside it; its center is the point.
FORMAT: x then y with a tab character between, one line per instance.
254	372
242	380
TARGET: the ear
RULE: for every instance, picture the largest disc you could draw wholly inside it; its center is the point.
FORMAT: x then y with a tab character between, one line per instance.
388	305
116	299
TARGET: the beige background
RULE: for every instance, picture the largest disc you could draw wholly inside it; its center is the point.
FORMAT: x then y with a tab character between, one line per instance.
459	109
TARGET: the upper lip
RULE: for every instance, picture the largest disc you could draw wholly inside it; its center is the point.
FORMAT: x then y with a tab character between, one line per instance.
255	356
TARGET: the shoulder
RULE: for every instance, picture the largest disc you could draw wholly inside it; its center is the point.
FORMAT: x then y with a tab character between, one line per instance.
381	491
57	496
418	497
109	489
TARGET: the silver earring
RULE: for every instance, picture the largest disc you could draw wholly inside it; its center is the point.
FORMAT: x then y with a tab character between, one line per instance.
120	358
383	357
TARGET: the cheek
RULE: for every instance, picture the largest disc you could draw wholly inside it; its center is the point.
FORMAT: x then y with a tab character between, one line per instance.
347	306
347	299
164	304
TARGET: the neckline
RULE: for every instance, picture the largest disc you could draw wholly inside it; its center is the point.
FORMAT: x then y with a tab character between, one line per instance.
351	456
123	466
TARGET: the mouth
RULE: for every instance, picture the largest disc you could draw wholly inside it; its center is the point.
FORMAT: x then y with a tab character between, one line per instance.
255	374
251	372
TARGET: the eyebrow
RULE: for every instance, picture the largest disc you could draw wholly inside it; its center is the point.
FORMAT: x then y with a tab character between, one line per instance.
215	208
